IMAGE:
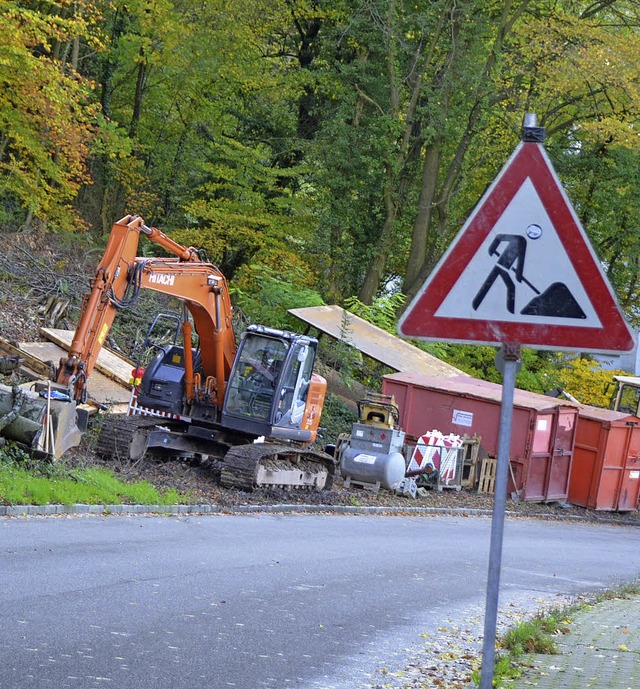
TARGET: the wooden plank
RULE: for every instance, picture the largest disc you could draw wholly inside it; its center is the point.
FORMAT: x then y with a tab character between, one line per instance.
36	365
108	362
102	389
471	445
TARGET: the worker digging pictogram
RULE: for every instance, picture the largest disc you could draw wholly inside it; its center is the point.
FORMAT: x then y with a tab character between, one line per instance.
510	250
521	272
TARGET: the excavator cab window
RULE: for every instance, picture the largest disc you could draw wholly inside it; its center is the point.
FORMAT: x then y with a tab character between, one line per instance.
294	387
256	378
627	398
162	334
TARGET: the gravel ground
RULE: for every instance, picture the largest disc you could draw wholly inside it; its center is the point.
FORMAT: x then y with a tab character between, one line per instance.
200	487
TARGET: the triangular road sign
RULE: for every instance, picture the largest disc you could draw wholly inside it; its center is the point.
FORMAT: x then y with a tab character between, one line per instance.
520	271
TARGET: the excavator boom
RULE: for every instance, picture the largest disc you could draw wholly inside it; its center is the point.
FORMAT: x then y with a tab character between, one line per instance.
119	277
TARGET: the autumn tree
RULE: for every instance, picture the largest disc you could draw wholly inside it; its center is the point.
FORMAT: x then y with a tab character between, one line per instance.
427	103
48	117
571	63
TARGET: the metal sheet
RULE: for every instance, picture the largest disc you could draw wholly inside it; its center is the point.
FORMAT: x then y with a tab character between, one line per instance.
373	341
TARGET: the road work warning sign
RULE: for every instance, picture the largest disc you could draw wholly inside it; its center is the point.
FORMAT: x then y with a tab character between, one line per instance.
521	270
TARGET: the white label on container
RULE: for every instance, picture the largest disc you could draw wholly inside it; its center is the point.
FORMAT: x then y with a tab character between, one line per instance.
365	459
542	424
359	434
462	418
634	474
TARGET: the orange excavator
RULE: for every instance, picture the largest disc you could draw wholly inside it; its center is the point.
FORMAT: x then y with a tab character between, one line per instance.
210	399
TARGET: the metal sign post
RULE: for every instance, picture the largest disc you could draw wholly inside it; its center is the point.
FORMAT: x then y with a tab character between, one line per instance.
510	364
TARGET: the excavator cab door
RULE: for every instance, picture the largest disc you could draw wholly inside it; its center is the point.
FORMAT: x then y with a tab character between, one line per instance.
294	387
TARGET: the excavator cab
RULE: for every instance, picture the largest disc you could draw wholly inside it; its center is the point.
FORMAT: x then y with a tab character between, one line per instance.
269	388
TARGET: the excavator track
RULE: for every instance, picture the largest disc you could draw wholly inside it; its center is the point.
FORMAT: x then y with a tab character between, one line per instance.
258	465
116	434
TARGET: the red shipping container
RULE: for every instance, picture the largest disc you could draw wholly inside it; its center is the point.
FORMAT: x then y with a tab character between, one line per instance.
542	433
605	473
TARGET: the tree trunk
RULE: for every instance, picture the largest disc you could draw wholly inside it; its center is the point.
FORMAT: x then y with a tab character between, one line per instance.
75	52
420	261
378	261
105	182
410	146
138	99
420	237
377	264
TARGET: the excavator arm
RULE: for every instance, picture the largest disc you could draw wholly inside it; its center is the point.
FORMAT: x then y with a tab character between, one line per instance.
119	277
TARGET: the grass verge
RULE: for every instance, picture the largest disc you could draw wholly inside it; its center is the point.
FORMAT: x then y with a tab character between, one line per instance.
24	482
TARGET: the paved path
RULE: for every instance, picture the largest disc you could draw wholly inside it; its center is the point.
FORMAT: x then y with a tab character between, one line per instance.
602	650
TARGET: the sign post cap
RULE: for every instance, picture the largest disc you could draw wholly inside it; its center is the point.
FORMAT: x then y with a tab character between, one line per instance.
530	132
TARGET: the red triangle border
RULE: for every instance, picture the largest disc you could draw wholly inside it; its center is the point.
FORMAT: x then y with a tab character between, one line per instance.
528	161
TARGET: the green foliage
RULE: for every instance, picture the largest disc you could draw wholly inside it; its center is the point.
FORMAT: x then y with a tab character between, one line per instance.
337	418
535	636
532	636
383	311
272	295
11	452
24	481
603	181
48	116
341	355
344	142
581	376
538	372
586	380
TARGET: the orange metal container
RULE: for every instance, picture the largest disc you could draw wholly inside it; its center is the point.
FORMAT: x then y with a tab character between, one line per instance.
542	434
605	473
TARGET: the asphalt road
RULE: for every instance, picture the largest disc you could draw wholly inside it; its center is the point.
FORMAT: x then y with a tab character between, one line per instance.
258	601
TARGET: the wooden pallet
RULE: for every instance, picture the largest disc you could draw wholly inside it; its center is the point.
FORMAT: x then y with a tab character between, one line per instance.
487	481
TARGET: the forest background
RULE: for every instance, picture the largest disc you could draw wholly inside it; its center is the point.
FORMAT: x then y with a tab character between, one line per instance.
321	152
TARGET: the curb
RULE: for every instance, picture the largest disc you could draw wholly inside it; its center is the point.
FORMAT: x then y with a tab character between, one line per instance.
49	510
179	510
